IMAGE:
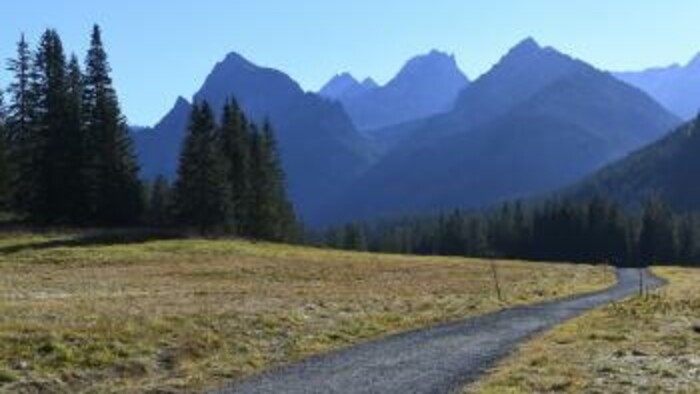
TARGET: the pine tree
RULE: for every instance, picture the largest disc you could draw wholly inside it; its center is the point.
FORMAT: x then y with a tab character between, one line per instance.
257	208
283	212
51	197
201	190
19	128
159	201
686	239
5	171
657	239
271	216
233	142
112	170
354	237
76	154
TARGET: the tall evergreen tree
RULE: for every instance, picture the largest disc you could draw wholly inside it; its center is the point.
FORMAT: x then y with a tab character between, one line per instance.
51	197
271	216
76	155
657	239
159	203
201	190
234	144
284	217
354	237
5	171
687	239
19	128
112	172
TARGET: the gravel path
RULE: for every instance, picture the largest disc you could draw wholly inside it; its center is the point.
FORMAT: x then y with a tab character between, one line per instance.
434	360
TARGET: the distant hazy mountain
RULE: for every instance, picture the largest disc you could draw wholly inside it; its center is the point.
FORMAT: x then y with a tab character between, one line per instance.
668	168
159	148
321	150
345	86
676	87
538	120
425	86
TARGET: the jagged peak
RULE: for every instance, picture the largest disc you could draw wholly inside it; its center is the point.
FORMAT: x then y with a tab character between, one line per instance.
181	102
524	47
345	77
235	57
369	83
429	63
433	57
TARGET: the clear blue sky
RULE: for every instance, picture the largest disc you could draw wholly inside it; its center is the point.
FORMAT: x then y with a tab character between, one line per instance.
160	49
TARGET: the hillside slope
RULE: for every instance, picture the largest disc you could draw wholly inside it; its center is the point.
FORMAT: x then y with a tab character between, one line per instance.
676	87
668	169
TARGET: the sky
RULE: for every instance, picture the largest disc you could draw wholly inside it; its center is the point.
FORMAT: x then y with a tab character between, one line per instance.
162	49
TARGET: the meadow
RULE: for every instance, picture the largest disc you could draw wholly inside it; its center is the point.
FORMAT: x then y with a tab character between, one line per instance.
116	315
645	344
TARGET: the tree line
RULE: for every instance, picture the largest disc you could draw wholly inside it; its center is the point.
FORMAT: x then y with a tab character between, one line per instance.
593	231
67	157
230	179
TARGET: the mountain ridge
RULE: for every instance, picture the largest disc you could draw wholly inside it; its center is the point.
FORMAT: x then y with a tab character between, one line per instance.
321	151
667	168
560	120
673	86
426	85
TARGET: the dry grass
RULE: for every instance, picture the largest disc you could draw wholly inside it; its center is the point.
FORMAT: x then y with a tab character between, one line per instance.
183	315
642	345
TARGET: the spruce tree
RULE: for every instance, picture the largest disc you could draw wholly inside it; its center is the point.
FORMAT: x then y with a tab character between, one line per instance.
201	190
5	171
19	128
49	202
233	142
686	239
284	217
271	216
354	237
75	147
657	237
112	169
159	201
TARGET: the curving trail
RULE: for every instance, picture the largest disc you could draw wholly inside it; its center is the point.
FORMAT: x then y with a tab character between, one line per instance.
434	360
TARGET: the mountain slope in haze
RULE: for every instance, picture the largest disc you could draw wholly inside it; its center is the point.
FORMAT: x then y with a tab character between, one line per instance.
537	121
668	169
425	86
344	86
321	150
158	148
525	70
676	87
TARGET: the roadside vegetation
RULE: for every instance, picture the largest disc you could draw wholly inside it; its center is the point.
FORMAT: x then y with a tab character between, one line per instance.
137	315
645	344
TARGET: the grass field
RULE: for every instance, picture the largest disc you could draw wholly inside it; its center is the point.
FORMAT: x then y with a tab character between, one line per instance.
642	345
184	315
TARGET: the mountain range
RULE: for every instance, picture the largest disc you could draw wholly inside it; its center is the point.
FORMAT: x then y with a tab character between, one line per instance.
538	121
344	87
425	86
321	150
676	86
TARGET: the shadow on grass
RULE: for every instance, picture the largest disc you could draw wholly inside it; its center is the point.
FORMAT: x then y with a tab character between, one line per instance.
96	238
